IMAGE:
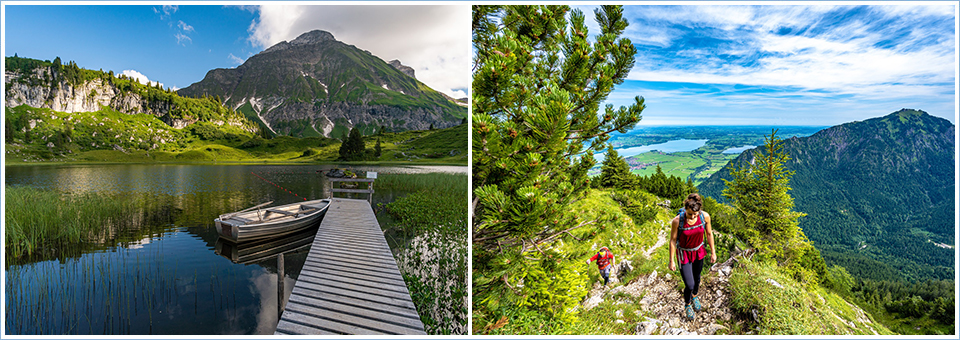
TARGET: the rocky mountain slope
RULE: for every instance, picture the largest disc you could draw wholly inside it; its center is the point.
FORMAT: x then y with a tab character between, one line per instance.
316	85
71	89
656	302
872	189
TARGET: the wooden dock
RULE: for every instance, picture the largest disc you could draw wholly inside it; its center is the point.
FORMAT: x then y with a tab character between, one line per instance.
350	283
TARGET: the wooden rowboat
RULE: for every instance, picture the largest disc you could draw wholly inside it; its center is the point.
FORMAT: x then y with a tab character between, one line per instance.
258	222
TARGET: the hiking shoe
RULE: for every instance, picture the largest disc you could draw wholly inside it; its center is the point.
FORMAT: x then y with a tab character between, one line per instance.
696	304
689	311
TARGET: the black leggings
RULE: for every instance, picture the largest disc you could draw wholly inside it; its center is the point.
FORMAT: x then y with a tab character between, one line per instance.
691	279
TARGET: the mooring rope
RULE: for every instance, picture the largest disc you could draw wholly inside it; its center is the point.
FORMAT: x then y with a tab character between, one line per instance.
277	185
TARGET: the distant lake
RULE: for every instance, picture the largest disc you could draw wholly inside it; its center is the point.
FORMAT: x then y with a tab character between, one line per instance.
740	149
680	145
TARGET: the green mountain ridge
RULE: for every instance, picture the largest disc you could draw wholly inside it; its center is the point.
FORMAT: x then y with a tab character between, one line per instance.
872	189
318	82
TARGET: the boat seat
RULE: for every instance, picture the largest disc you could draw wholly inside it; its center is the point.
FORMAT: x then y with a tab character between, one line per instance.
281	212
241	219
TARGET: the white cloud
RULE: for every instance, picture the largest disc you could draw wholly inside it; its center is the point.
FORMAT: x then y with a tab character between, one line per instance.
434	40
457	94
850	56
235	59
139	77
181	38
170	9
184	26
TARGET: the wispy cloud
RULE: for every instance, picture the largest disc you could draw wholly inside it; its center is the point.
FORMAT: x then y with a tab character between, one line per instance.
825	56
235	59
170	9
184	26
182	39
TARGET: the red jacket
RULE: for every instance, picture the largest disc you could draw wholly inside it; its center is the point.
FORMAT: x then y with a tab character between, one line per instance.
604	261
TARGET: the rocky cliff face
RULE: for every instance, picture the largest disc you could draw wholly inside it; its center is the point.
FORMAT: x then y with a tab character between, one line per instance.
89	96
318	83
403	68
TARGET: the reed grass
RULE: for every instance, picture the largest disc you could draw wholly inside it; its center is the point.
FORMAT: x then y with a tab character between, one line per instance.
40	220
454	184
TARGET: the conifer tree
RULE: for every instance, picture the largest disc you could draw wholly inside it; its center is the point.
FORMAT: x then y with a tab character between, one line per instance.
376	148
759	193
538	83
615	172
352	147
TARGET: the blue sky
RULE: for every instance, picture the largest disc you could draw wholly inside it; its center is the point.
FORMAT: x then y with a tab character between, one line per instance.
788	65
177	45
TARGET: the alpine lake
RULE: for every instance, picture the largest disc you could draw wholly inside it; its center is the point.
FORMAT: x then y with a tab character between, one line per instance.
166	271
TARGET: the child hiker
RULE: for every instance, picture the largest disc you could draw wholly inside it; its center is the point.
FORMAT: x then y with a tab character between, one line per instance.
604	260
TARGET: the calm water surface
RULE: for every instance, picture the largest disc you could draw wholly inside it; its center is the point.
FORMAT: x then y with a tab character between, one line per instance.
162	274
680	145
739	150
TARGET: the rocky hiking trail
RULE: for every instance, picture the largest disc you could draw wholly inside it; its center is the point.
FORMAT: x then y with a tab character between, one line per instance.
660	294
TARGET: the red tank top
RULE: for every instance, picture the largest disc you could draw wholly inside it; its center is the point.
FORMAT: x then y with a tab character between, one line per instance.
691	238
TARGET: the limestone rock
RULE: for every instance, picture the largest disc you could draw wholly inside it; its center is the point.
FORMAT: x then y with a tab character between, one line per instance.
592	301
402	68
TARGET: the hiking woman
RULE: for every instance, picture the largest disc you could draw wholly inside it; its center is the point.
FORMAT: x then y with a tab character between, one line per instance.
687	232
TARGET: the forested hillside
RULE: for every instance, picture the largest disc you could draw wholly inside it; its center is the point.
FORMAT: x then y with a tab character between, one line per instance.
879	199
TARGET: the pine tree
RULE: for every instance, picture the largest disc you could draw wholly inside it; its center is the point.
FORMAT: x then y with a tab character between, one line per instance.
759	193
538	84
615	172
352	148
376	148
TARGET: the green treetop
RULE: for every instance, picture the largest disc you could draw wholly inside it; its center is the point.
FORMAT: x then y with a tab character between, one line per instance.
352	147
615	172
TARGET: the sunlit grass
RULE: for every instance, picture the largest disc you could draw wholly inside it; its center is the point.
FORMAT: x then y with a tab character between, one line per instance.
43	220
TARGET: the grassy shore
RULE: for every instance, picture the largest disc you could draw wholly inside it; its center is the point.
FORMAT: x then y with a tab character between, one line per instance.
43	220
434	260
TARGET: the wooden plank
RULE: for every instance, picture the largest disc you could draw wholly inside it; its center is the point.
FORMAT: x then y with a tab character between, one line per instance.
401	310
323	269
275	211
358	283
350	282
391	299
325	320
346	249
347	323
368	313
379	266
287	327
353	191
368	180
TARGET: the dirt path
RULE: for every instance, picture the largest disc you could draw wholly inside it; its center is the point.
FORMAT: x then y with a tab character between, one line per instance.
660	294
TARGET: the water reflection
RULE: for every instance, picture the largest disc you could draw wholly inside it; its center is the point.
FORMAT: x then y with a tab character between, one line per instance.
266	249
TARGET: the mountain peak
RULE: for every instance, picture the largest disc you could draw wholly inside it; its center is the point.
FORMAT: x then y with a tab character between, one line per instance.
313	37
402	68
309	38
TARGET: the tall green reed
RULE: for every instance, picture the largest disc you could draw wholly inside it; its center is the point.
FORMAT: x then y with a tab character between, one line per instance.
40	220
